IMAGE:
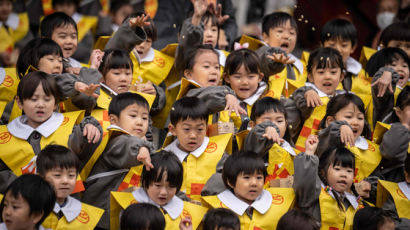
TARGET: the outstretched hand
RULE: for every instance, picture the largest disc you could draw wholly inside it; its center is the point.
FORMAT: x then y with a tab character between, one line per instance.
311	144
139	21
145	158
88	90
384	83
280	58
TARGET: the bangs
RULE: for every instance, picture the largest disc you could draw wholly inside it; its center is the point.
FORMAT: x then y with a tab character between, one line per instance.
385	57
189	108
325	58
173	176
265	105
49	47
399	31
277	19
340	157
210	17
31	81
115	59
245	57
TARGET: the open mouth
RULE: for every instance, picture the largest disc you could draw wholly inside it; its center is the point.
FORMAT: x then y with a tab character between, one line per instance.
355	131
342	182
212	81
208	42
284	46
327	84
40	113
140	52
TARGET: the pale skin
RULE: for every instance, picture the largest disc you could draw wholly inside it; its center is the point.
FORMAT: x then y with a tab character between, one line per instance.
384	84
312	98
272	134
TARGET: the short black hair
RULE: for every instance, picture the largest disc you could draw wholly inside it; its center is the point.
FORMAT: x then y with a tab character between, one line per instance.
371	218
398	31
34	51
123	100
403	100
37	192
29	83
115	59
339	28
335	156
188	107
246	57
190	58
385	57
324	57
64	2
116	5
246	162
151	29
277	19
56	156
163	161
218	218
142	216
53	21
297	219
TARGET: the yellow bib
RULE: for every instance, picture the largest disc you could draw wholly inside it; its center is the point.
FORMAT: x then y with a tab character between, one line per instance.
10	36
155	71
366	161
366	54
280	163
282	201
85	24
279	84
47	7
104	99
386	188
254	43
379	131
121	200
87	219
8	88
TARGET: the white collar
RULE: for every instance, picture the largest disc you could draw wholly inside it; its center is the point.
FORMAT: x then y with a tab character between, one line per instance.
319	92
350	197
298	64
149	57
74	63
173	147
13	21
108	89
20	129
251	100
361	143
4	227
222	57
194	82
117	127
77	17
286	146
405	188
114	27
261	204
174	207
353	66
71	209
2	75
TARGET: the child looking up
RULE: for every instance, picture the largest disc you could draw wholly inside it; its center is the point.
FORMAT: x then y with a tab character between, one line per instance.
26	203
59	166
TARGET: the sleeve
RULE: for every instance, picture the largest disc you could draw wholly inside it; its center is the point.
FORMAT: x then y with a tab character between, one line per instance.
230	27
65	83
395	144
214	185
126	38
301	103
213	96
221	162
293	117
268	66
6	177
104	26
255	141
84	48
330	137
160	100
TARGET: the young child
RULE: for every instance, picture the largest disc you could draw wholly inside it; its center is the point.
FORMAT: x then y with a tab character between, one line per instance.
142	216
201	156
322	187
111	167
118	12
25	136
244	174
372	218
158	187
60	166
325	71
27	202
297	219
221	219
396	35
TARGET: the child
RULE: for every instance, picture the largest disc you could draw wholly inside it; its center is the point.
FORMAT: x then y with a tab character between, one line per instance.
27	202
396	35
59	166
221	219
322	187
244	174
25	136
118	12
297	219
325	71
201	156
372	218
142	216
158	187
112	164
270	138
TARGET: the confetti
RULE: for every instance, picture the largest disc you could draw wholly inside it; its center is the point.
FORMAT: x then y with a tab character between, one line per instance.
301	16
306	21
321	58
347	12
313	28
295	6
328	34
173	109
175	26
299	19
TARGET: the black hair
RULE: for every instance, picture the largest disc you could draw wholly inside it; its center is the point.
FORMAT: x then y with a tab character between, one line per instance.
407	164
339	102
248	58
403	100
208	16
53	21
150	30
37	192
188	107
56	156
297	219
398	31
277	19
371	218
29	83
245	162
218	218
64	2
116	5
115	59
163	161
385	57
325	57
34	51
123	100
142	216
190	59
339	29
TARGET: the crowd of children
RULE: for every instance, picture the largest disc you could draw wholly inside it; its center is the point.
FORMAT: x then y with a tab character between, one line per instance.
124	136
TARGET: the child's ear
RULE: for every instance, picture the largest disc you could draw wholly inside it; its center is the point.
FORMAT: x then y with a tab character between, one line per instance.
265	37
398	112
226	78
19	102
353	49
114	119
310	77
329	119
171	129
342	76
36	217
261	75
187	74
229	184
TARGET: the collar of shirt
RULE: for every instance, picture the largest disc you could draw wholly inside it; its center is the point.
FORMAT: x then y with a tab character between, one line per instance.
405	188
261	204
20	129
149	57
298	64
251	100
286	146
117	127
353	66
4	227
13	21
174	207
361	143
77	17
2	74
222	57
350	197
74	63
173	147
114	27
319	92
71	209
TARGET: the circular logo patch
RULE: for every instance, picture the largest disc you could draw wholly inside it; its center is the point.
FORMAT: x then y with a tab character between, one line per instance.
211	147
134	202
371	148
65	121
8	81
159	62
185	213
270	93
83	217
401	194
277	199
5	137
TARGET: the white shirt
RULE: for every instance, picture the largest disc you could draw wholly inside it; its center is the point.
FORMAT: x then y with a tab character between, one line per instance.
20	129
261	204
173	147
71	209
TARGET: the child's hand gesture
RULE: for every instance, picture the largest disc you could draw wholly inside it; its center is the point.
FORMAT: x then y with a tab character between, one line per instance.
185	224
280	58
200	7
232	104
312	98
145	158
346	135
218	13
148	88
92	133
363	188
96	58
311	144
88	90
139	21
272	134
384	83
73	70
